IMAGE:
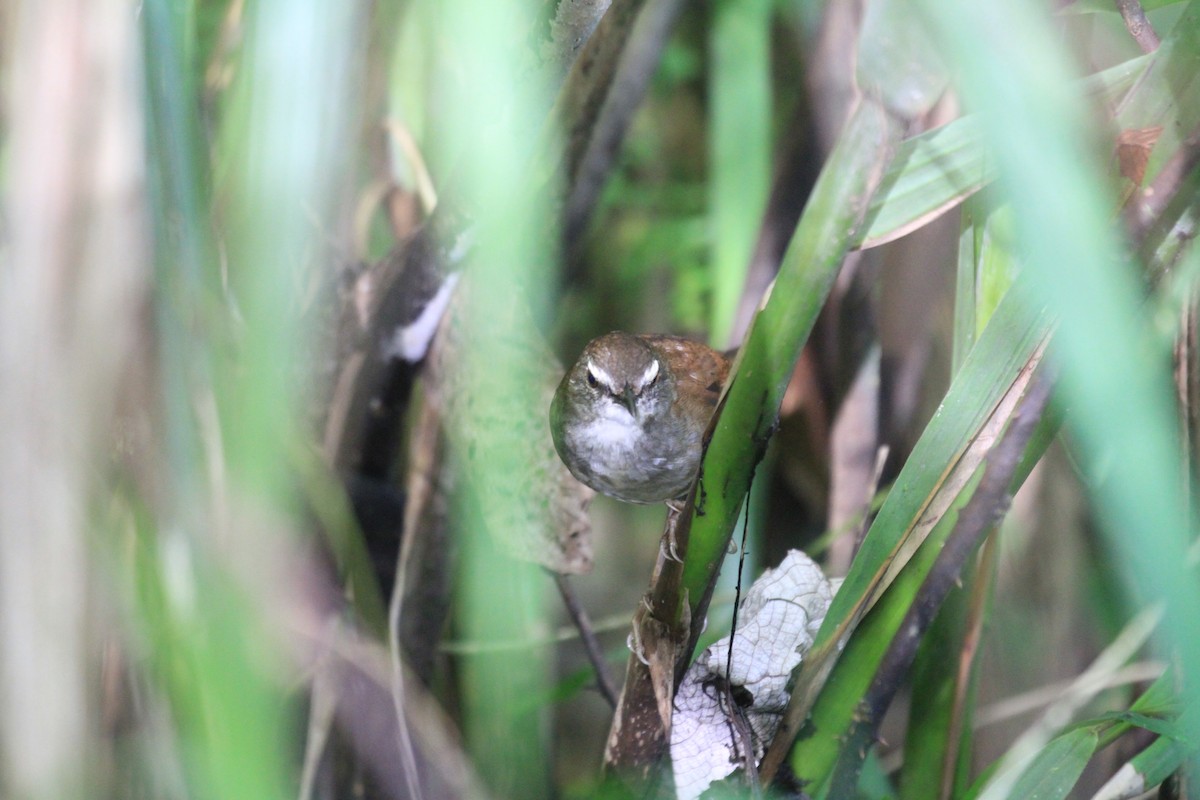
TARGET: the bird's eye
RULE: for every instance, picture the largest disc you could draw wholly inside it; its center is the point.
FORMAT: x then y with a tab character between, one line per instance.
591	379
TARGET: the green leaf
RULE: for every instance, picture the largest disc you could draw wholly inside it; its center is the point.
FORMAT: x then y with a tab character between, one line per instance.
934	171
1002	353
1158	761
766	360
904	540
933	757
931	174
1056	769
1153	724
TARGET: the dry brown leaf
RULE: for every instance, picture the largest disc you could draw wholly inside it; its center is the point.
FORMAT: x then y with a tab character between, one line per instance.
1133	151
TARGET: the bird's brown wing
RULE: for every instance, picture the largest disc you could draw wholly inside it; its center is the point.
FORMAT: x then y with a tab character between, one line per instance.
706	368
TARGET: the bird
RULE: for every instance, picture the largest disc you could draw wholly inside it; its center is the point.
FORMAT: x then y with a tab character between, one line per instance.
628	418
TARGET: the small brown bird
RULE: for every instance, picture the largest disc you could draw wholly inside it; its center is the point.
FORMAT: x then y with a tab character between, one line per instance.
629	417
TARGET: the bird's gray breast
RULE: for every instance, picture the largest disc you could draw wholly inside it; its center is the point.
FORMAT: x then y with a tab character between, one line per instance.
619	457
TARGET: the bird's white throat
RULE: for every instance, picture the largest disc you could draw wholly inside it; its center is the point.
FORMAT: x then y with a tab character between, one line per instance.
614	429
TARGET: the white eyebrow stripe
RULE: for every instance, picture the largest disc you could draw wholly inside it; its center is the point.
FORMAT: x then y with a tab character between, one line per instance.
601	375
650	374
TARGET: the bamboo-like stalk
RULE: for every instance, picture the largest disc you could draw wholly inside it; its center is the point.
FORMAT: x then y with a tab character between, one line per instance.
70	294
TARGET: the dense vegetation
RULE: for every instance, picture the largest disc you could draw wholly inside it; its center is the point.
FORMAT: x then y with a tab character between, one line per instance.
261	537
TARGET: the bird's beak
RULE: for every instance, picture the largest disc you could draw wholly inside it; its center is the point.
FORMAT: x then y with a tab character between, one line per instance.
629	401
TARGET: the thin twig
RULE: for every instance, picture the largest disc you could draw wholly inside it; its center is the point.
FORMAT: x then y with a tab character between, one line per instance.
736	716
737	592
404	739
1139	27
591	645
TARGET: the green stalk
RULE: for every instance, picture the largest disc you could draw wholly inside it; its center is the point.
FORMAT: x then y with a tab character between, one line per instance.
490	112
740	156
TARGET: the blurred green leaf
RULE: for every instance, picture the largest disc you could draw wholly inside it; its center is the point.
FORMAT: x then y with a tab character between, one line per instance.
937	169
740	143
211	649
1162	758
896	63
1057	767
998	781
1052	169
494	106
1153	724
214	659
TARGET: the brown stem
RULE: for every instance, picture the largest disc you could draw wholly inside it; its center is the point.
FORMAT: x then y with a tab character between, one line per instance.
1139	27
1148	205
641	725
591	157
